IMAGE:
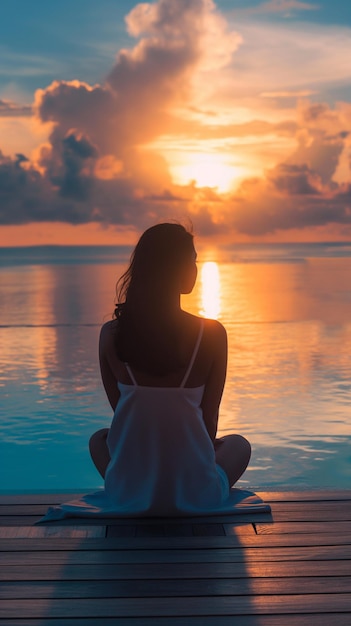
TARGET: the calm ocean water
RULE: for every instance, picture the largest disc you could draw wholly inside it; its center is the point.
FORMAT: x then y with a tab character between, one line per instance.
287	310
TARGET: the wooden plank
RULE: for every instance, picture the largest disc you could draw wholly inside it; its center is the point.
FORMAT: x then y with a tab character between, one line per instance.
277	507
176	543
330	505
306	527
132	571
293	512
173	530
180	530
24	515
29	520
171	588
206	530
340	511
161	530
295	571
150	607
51	499
221	555
336	619
85	532
305	496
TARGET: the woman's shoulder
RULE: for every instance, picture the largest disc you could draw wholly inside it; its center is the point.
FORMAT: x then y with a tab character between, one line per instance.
210	325
107	332
213	331
108	326
213	325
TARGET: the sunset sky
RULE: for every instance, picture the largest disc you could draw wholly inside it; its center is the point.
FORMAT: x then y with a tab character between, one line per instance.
115	115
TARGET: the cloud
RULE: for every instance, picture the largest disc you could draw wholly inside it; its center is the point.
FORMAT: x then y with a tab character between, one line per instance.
11	109
302	191
295	180
287	94
289	199
22	191
189	83
92	126
283	6
287	57
77	161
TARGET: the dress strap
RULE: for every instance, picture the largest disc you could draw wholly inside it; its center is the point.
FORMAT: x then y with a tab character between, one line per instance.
131	374
193	357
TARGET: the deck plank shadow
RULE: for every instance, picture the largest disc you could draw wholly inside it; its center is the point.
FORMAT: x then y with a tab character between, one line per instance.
292	567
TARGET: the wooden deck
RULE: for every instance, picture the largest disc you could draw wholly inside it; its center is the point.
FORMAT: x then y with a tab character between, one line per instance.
291	568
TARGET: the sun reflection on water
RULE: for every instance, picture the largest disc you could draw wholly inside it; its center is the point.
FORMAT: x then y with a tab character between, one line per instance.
210	290
288	380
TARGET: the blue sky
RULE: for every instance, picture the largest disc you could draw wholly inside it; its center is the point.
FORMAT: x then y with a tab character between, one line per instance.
235	114
43	40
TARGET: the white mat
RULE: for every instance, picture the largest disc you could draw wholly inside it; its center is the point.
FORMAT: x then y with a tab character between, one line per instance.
95	505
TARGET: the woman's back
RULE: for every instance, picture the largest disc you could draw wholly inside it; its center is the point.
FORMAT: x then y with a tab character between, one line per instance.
162	458
208	368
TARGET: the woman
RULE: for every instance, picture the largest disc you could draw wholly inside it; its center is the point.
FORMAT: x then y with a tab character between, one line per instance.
163	371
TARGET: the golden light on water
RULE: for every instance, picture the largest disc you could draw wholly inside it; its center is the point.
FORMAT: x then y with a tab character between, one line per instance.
289	340
210	290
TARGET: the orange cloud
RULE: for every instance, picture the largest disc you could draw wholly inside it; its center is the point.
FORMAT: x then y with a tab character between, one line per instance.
180	128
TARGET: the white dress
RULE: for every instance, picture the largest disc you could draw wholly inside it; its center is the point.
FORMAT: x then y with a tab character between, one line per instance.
162	459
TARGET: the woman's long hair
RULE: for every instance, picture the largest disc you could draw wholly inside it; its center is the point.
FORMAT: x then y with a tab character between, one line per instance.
146	337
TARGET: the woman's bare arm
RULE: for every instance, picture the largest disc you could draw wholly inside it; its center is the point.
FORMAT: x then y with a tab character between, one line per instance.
217	344
106	358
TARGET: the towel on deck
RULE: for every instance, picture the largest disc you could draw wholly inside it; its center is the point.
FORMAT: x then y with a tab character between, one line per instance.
97	505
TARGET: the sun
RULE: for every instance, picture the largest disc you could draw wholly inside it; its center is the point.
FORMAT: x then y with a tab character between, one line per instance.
205	170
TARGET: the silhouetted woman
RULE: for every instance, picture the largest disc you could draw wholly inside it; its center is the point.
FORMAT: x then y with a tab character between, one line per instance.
163	371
